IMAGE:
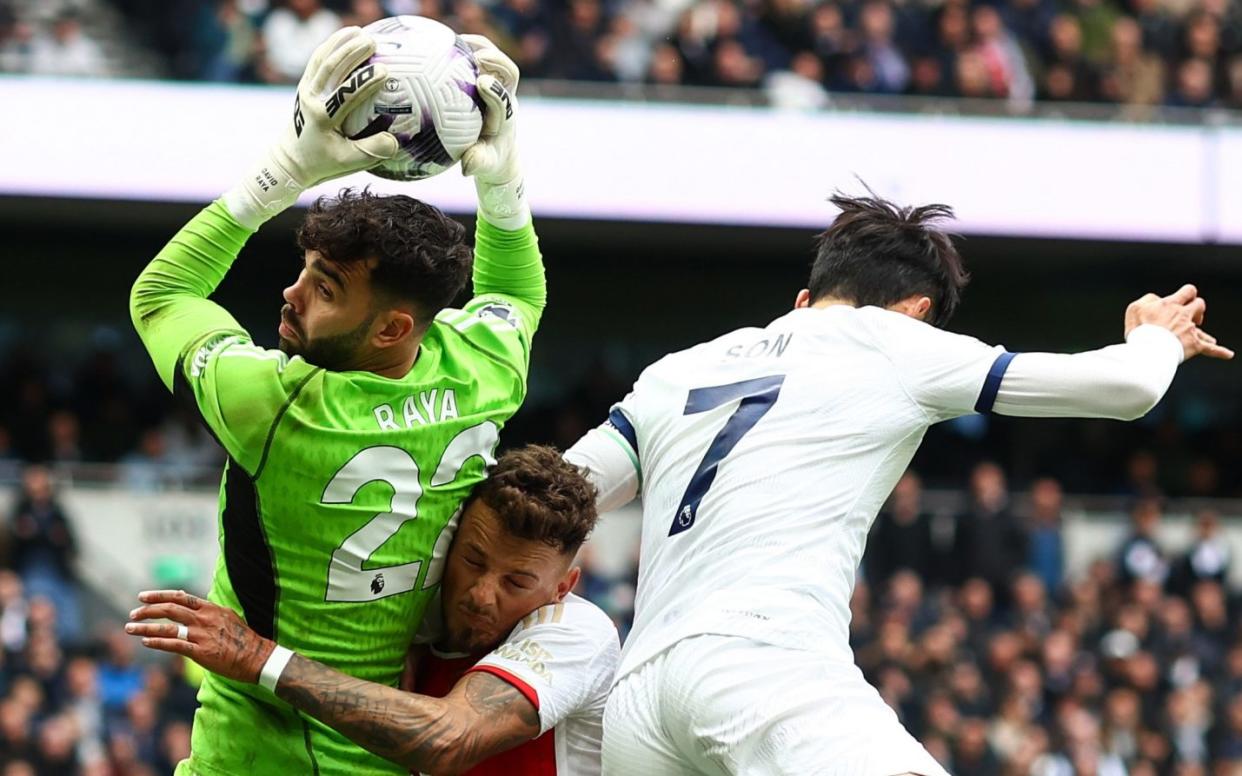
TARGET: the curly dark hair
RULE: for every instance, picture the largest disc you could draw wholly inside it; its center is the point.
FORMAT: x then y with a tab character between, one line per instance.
539	495
878	253
423	257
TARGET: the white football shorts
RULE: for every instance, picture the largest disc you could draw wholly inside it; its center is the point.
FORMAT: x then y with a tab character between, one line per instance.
729	705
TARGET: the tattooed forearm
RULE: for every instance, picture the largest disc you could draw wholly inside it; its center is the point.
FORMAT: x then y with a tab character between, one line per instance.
483	716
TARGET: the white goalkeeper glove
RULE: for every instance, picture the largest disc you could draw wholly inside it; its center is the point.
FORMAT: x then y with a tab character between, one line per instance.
493	160
312	149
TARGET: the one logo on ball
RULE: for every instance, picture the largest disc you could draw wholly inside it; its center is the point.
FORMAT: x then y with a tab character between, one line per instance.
377	584
392	85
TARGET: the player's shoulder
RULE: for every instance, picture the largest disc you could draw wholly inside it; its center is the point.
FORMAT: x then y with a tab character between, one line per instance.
685	364
573	615
893	330
486	328
228	353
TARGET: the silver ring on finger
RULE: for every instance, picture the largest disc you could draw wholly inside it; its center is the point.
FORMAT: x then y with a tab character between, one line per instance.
183	632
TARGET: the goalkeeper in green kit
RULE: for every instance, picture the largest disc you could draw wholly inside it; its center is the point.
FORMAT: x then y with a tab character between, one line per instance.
351	448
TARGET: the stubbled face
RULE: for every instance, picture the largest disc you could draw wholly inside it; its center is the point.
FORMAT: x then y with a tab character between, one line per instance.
328	315
493	579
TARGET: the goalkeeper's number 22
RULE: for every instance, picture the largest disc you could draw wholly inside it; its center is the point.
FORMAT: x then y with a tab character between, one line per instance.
347	579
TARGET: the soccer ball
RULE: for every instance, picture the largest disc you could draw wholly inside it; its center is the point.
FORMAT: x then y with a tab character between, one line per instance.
429	100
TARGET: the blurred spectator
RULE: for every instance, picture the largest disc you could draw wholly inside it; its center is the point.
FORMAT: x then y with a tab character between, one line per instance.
1207	558
972	755
364	12
665	66
1003	57
901	537
10	463
56	754
64	436
1141	557
1193	85
226	41
991	543
575	55
801	86
1068	75
1096	19
1142	475
85	708
1133	76
149	468
41	548
1235	83
67	51
291	32
1047	547
120	679
882	66
16	42
612	592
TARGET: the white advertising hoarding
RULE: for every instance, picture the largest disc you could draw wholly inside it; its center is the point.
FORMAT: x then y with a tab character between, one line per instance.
139	140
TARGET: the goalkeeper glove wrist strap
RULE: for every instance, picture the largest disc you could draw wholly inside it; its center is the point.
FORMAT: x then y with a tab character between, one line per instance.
274	667
269	189
504	205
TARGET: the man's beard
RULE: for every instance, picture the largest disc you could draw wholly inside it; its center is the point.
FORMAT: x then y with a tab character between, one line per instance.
466	641
337	353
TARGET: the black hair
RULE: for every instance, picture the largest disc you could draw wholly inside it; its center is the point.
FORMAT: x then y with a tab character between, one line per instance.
422	255
877	253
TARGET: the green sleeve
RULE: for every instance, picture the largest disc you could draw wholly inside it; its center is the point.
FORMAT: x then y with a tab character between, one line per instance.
199	350
169	304
508	271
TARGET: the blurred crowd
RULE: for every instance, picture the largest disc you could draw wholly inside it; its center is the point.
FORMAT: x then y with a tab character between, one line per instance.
71	702
1185	53
95	412
44	40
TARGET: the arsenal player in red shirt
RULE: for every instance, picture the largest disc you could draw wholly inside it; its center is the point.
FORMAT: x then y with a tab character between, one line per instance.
516	676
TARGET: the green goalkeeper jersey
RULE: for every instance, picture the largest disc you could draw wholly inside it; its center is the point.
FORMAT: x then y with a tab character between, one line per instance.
341	489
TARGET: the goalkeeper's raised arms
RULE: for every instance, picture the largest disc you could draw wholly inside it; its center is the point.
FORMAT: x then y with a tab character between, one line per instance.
493	161
312	149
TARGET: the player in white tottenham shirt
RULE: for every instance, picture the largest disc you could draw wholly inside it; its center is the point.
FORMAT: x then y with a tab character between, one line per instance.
519	669
762	458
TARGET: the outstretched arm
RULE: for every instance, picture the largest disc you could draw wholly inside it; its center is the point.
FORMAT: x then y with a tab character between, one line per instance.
482	716
168	303
950	375
507	262
1123	382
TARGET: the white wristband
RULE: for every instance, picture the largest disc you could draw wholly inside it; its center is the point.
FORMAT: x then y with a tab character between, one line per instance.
264	193
274	667
504	206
